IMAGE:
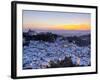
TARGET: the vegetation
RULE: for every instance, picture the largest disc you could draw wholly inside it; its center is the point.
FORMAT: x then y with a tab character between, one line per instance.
67	62
50	37
79	41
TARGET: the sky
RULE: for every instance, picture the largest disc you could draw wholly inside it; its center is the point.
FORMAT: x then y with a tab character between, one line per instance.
50	20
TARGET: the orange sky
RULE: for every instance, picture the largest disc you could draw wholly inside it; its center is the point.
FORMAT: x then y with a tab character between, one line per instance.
60	27
73	27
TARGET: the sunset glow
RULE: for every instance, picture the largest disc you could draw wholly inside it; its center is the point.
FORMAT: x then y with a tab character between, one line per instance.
43	20
74	27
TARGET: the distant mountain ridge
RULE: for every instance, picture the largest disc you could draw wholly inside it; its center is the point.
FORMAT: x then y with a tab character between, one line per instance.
63	32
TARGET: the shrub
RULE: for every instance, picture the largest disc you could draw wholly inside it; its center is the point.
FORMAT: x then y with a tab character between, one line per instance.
67	62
